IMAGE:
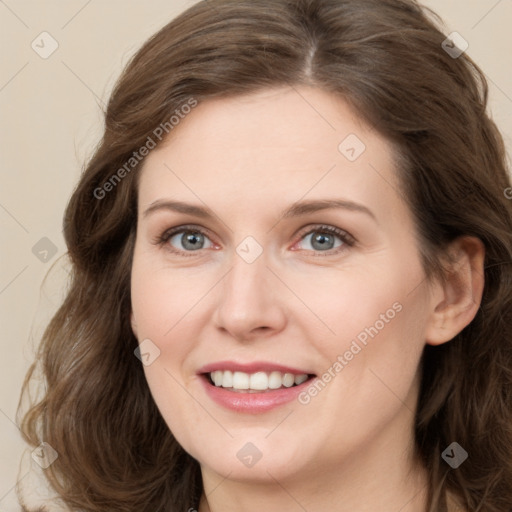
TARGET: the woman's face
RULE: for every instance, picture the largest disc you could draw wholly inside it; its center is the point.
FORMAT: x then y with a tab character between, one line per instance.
292	256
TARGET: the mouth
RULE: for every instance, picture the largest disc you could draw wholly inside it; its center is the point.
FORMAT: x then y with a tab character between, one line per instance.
257	382
253	388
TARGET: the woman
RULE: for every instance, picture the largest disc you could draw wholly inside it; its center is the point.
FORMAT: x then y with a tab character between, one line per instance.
291	273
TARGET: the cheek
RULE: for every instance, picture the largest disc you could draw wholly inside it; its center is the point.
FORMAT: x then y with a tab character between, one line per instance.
361	305
163	310
377	321
161	297
184	415
376	358
371	367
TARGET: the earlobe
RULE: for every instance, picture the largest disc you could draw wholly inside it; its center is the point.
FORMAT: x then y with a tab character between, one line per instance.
456	301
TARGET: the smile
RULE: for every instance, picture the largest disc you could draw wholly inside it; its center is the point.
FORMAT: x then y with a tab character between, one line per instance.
254	382
253	388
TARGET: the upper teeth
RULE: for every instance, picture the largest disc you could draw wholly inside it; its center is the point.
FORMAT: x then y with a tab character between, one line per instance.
257	381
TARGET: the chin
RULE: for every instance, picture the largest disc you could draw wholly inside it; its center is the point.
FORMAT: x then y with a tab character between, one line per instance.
253	459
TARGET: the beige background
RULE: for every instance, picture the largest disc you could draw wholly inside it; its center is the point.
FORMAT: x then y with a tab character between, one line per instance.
51	120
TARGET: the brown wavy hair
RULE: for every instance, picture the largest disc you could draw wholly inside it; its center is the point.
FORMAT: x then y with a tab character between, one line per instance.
385	58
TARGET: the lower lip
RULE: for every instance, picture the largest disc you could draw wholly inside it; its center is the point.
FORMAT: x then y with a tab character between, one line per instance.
252	402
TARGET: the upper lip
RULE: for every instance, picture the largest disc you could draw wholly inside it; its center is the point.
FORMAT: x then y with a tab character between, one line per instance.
256	366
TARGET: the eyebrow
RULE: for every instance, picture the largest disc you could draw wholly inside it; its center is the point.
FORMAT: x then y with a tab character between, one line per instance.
296	210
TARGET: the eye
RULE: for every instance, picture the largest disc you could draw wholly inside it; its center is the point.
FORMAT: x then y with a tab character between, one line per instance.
185	239
327	238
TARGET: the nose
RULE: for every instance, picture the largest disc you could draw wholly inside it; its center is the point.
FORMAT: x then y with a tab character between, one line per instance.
251	301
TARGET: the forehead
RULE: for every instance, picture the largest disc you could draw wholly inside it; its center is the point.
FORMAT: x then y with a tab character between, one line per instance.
276	145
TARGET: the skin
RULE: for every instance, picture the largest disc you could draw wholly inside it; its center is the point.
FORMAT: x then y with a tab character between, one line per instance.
248	159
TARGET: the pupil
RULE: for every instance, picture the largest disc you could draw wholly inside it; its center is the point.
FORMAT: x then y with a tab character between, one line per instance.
190	240
323	241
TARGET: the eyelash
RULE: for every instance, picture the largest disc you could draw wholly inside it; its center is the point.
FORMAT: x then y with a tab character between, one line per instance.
347	239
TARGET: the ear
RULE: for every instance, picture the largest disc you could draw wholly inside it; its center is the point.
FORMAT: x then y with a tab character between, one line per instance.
455	302
133	324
